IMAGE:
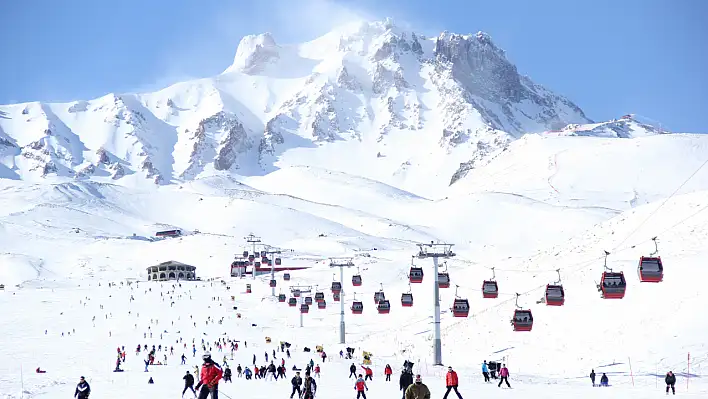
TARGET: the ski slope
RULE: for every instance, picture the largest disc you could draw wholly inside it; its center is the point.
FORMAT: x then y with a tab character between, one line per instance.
61	239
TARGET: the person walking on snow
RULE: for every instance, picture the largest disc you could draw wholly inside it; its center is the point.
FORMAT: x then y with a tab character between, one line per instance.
485	371
296	382
388	371
239	371
504	376
417	390
317	371
360	386
592	376
405	381
352	371
670	382
604	381
189	384
227	374
83	389
451	382
309	387
210	375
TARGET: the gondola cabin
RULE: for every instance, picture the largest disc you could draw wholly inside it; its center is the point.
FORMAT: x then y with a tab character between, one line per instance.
308	300
523	320
407	300
490	289
356	280
245	254
257	264
383	307
322	304
264	261
273	283
461	308
248	288
416	275
281	298
319	296
251	258
650	269
304	308
286	276
296	293
264	254
292	302
336	297
336	287
443	280
555	295
278	261
613	285
379	296
357	307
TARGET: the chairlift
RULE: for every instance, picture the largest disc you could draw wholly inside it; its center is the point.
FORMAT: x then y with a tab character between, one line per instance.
461	306
357	306
278	261
273	283
379	295
444	278
612	284
384	306
555	294
651	269
281	298
286	276
322	304
308	300
292	302
356	279
304	308
523	318
490	289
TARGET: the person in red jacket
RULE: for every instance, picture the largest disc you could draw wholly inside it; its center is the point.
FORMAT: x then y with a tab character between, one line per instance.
209	378
504	376
388	371
360	386
451	382
369	373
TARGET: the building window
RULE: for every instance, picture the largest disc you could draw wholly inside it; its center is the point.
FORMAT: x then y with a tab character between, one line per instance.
162	275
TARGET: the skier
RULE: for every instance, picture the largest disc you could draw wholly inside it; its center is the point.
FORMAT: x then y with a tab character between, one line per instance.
188	383
360	386
485	371
504	376
451	382
405	381
592	376
82	389
604	381
388	371
352	371
309	387
296	382
670	382
417	390
210	375
227	374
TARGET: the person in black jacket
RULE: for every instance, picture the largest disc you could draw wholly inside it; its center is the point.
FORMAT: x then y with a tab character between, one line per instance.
83	390
309	387
227	375
296	382
592	376
352	371
188	383
670	382
405	381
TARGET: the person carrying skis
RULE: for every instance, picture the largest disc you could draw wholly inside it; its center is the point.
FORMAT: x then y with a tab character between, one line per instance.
592	376
451	382
296	382
504	376
405	381
309	387
210	375
83	389
352	371
360	386
485	371
604	381
189	383
388	371
670	382
417	390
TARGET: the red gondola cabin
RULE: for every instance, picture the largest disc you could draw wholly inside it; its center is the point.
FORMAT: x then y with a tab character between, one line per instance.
523	320
490	289
650	269
613	285
555	295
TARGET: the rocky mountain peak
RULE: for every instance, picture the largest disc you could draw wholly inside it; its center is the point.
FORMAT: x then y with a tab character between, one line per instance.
253	54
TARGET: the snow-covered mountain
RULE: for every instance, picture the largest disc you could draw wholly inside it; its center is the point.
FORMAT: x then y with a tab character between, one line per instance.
412	104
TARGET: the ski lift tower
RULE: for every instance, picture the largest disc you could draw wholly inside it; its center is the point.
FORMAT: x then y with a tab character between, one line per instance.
341	263
303	290
436	251
272	251
253	240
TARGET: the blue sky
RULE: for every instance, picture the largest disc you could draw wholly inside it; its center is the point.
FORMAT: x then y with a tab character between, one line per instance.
611	57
